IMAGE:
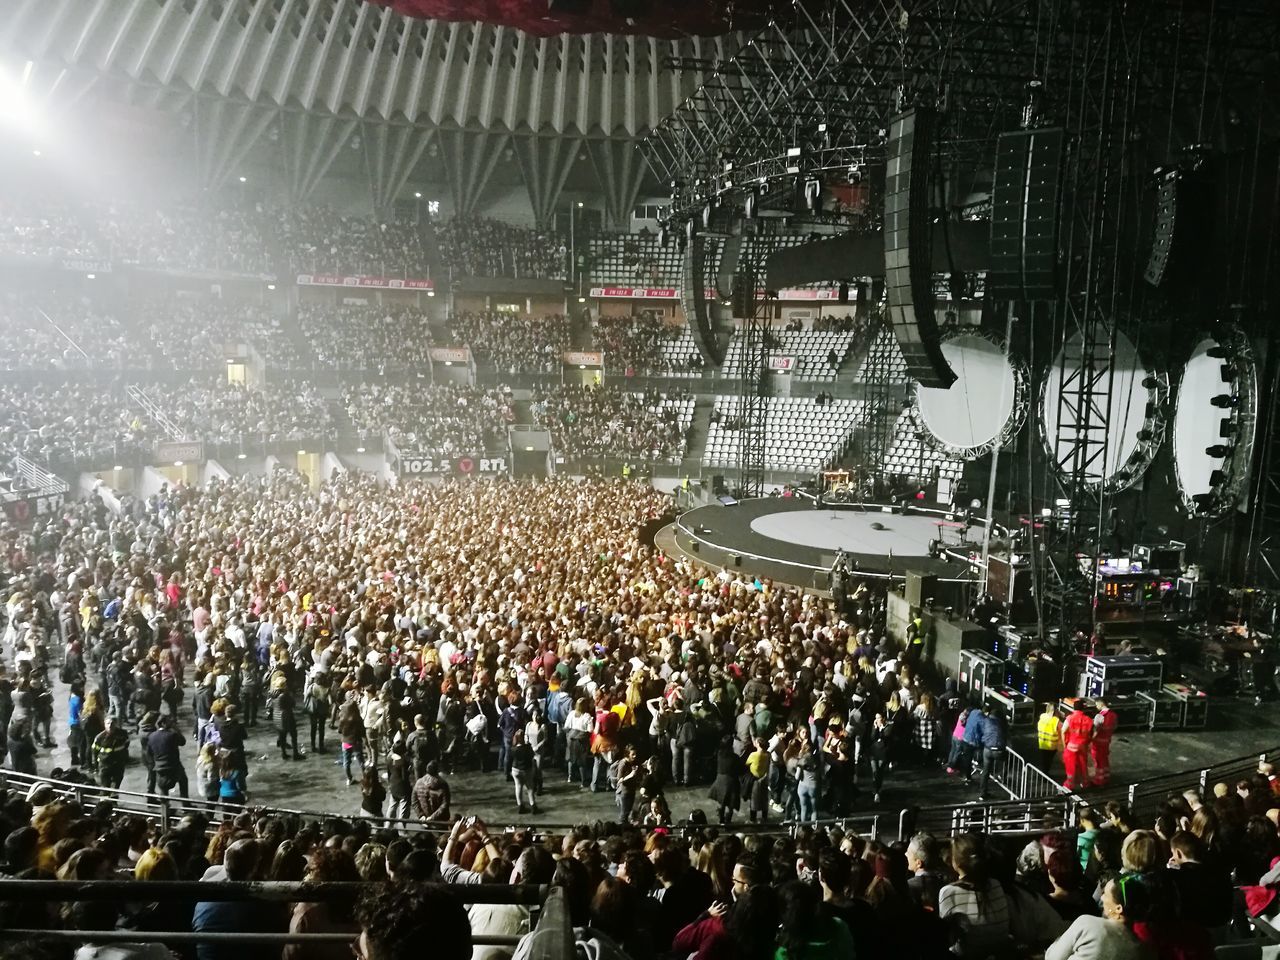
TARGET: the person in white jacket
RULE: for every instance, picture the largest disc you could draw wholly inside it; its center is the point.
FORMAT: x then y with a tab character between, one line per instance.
1107	937
375	714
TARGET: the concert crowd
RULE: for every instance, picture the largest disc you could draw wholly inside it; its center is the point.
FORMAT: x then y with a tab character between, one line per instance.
523	628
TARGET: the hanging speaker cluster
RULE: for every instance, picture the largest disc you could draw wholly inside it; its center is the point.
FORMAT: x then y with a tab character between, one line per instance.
1025	203
1183	207
908	247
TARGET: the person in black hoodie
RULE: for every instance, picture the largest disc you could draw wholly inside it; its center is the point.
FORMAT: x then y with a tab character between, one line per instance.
1205	892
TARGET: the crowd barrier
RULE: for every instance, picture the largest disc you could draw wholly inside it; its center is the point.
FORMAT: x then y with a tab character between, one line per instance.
552	932
1034	801
1014	815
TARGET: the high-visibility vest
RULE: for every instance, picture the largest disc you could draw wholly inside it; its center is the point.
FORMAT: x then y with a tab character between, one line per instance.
1047	731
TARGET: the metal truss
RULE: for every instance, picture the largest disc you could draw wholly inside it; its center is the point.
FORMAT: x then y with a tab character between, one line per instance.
881	396
812	96
753	392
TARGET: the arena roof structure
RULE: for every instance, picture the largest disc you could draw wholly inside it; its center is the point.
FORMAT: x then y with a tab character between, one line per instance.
326	71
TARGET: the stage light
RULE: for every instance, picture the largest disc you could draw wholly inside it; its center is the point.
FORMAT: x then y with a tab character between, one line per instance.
1150	383
244	179
1046	512
1218	352
794	151
582	299
417	194
1217	478
1203	502
302	453
1226	427
271	286
1225	400
91	276
177	463
117	467
1219	450
359	449
1145	435
1228	373
242	456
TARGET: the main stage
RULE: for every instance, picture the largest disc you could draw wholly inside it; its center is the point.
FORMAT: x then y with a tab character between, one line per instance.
787	539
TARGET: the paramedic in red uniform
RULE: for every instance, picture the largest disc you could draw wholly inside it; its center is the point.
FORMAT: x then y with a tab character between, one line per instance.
1077	731
1104	727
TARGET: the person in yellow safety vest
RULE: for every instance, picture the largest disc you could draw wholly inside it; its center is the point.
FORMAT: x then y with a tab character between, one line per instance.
915	640
684	484
1048	736
626	471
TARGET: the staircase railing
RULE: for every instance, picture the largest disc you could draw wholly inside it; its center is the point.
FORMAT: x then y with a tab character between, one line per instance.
153	411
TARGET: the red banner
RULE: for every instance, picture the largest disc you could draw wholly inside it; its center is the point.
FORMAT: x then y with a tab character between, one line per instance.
635	293
376	283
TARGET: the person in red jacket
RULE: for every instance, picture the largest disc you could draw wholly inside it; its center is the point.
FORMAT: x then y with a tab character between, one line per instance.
1077	731
1104	728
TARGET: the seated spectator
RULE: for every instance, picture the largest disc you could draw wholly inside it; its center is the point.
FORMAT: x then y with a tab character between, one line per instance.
975	904
397	921
1110	936
477	247
246	916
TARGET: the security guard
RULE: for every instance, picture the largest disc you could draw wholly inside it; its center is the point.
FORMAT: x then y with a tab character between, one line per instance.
915	639
1048	736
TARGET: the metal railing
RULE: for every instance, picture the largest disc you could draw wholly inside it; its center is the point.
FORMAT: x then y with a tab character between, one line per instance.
1145	797
152	409
553	929
1009	816
1023	780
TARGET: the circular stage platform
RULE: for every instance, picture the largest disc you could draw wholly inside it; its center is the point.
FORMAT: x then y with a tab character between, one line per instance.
788	539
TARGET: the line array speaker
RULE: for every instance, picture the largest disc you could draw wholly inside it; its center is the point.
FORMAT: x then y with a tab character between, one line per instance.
1025	204
703	317
1182	223
908	247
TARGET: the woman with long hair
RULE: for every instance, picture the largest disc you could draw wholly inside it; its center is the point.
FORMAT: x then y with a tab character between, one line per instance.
325	865
975	905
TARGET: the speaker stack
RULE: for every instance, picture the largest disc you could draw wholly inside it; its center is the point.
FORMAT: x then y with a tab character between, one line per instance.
908	249
1025	204
1182	218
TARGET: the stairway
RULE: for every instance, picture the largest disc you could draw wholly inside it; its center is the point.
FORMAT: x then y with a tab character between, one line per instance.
691	465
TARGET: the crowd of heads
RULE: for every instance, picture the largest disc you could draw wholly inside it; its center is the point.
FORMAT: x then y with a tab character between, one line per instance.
431	624
371	337
320	239
480	247
634	344
511	342
443	420
595	421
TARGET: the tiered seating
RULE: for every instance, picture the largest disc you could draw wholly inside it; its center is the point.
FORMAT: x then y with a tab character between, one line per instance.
680	356
603	421
800	434
811	350
633	260
884	351
909	455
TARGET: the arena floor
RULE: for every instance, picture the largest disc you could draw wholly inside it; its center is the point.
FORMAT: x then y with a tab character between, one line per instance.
316	783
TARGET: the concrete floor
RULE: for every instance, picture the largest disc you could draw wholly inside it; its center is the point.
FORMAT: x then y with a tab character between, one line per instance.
316	783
